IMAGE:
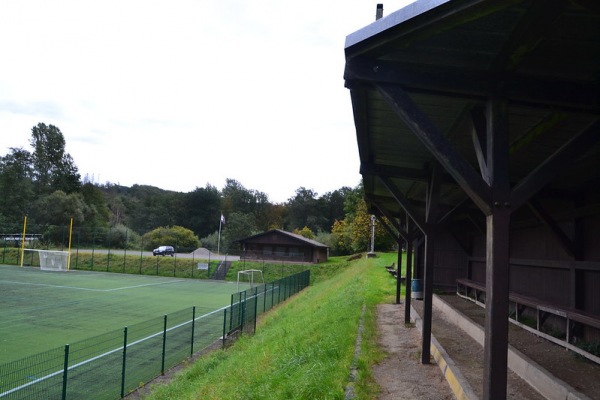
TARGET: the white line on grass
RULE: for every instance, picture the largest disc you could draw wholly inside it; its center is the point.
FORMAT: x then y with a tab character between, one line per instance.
43	378
90	289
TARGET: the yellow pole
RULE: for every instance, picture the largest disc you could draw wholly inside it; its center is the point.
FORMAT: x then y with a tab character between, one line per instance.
70	236
23	240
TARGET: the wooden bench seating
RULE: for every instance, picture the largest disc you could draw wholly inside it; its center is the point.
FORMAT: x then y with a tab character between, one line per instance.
391	268
475	292
394	272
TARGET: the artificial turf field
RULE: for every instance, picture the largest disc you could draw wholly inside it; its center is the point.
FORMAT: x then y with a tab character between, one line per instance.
41	310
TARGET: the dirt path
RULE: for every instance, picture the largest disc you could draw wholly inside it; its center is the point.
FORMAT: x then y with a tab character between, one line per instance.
401	374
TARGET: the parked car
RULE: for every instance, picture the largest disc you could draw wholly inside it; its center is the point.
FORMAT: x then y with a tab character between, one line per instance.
164	251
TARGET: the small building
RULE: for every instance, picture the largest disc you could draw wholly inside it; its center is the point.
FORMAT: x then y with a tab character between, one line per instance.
279	245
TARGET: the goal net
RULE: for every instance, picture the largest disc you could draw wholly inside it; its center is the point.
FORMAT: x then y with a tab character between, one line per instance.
251	276
50	260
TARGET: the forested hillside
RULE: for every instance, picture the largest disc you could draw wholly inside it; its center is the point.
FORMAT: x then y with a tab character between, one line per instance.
45	185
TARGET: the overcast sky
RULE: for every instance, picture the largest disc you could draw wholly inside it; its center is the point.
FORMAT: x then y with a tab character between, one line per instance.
183	93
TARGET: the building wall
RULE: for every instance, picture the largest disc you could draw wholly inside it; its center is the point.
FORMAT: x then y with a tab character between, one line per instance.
542	268
277	247
279	252
450	262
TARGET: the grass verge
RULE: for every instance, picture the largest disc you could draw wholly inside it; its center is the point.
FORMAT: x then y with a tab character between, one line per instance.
302	349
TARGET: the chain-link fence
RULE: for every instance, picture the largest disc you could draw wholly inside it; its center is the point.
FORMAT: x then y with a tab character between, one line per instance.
246	306
59	237
111	365
104	249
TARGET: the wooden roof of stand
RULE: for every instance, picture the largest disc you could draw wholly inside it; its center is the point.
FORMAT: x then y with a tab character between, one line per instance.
466	108
447	57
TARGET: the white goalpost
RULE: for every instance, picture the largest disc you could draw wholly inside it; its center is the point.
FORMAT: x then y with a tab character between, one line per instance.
51	260
249	276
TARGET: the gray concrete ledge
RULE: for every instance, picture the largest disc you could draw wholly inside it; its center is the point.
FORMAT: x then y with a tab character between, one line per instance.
457	382
535	375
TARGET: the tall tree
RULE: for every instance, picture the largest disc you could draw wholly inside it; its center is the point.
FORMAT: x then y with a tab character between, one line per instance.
332	204
236	198
58	208
149	207
239	226
53	169
304	210
15	184
201	210
98	214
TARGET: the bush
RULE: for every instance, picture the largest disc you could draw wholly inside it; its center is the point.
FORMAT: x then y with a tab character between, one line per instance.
122	237
177	236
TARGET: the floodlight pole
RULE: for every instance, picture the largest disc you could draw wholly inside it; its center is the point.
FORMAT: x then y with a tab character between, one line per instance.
219	240
372	233
371	253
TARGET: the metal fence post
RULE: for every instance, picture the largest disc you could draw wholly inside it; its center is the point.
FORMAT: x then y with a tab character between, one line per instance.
193	326
264	298
224	326
65	370
255	310
93	246
164	346
242	312
125	250
124	362
108	255
272	295
77	251
141	254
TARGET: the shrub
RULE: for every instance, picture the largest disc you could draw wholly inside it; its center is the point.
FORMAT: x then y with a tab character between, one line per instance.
176	236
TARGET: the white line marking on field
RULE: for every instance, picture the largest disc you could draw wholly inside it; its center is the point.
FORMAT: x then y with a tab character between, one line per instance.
43	378
90	289
147	284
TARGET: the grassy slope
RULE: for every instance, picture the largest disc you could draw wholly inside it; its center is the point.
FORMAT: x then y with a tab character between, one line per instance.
301	350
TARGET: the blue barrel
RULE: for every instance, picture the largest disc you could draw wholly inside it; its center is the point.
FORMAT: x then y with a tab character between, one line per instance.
416	289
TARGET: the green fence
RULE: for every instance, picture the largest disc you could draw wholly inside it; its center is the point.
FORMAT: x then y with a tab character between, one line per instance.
246	306
114	250
111	365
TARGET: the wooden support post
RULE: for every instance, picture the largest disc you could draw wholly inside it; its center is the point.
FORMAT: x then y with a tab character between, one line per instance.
399	274
497	254
409	263
496	305
431	211
427	297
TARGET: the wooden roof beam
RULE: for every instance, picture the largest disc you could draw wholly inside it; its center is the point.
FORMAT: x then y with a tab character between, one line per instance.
479	85
439	146
551	167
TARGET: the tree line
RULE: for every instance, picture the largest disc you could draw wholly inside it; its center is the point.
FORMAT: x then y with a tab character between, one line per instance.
44	183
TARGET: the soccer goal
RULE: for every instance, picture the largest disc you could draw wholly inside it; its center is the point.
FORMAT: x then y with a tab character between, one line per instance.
50	260
248	275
